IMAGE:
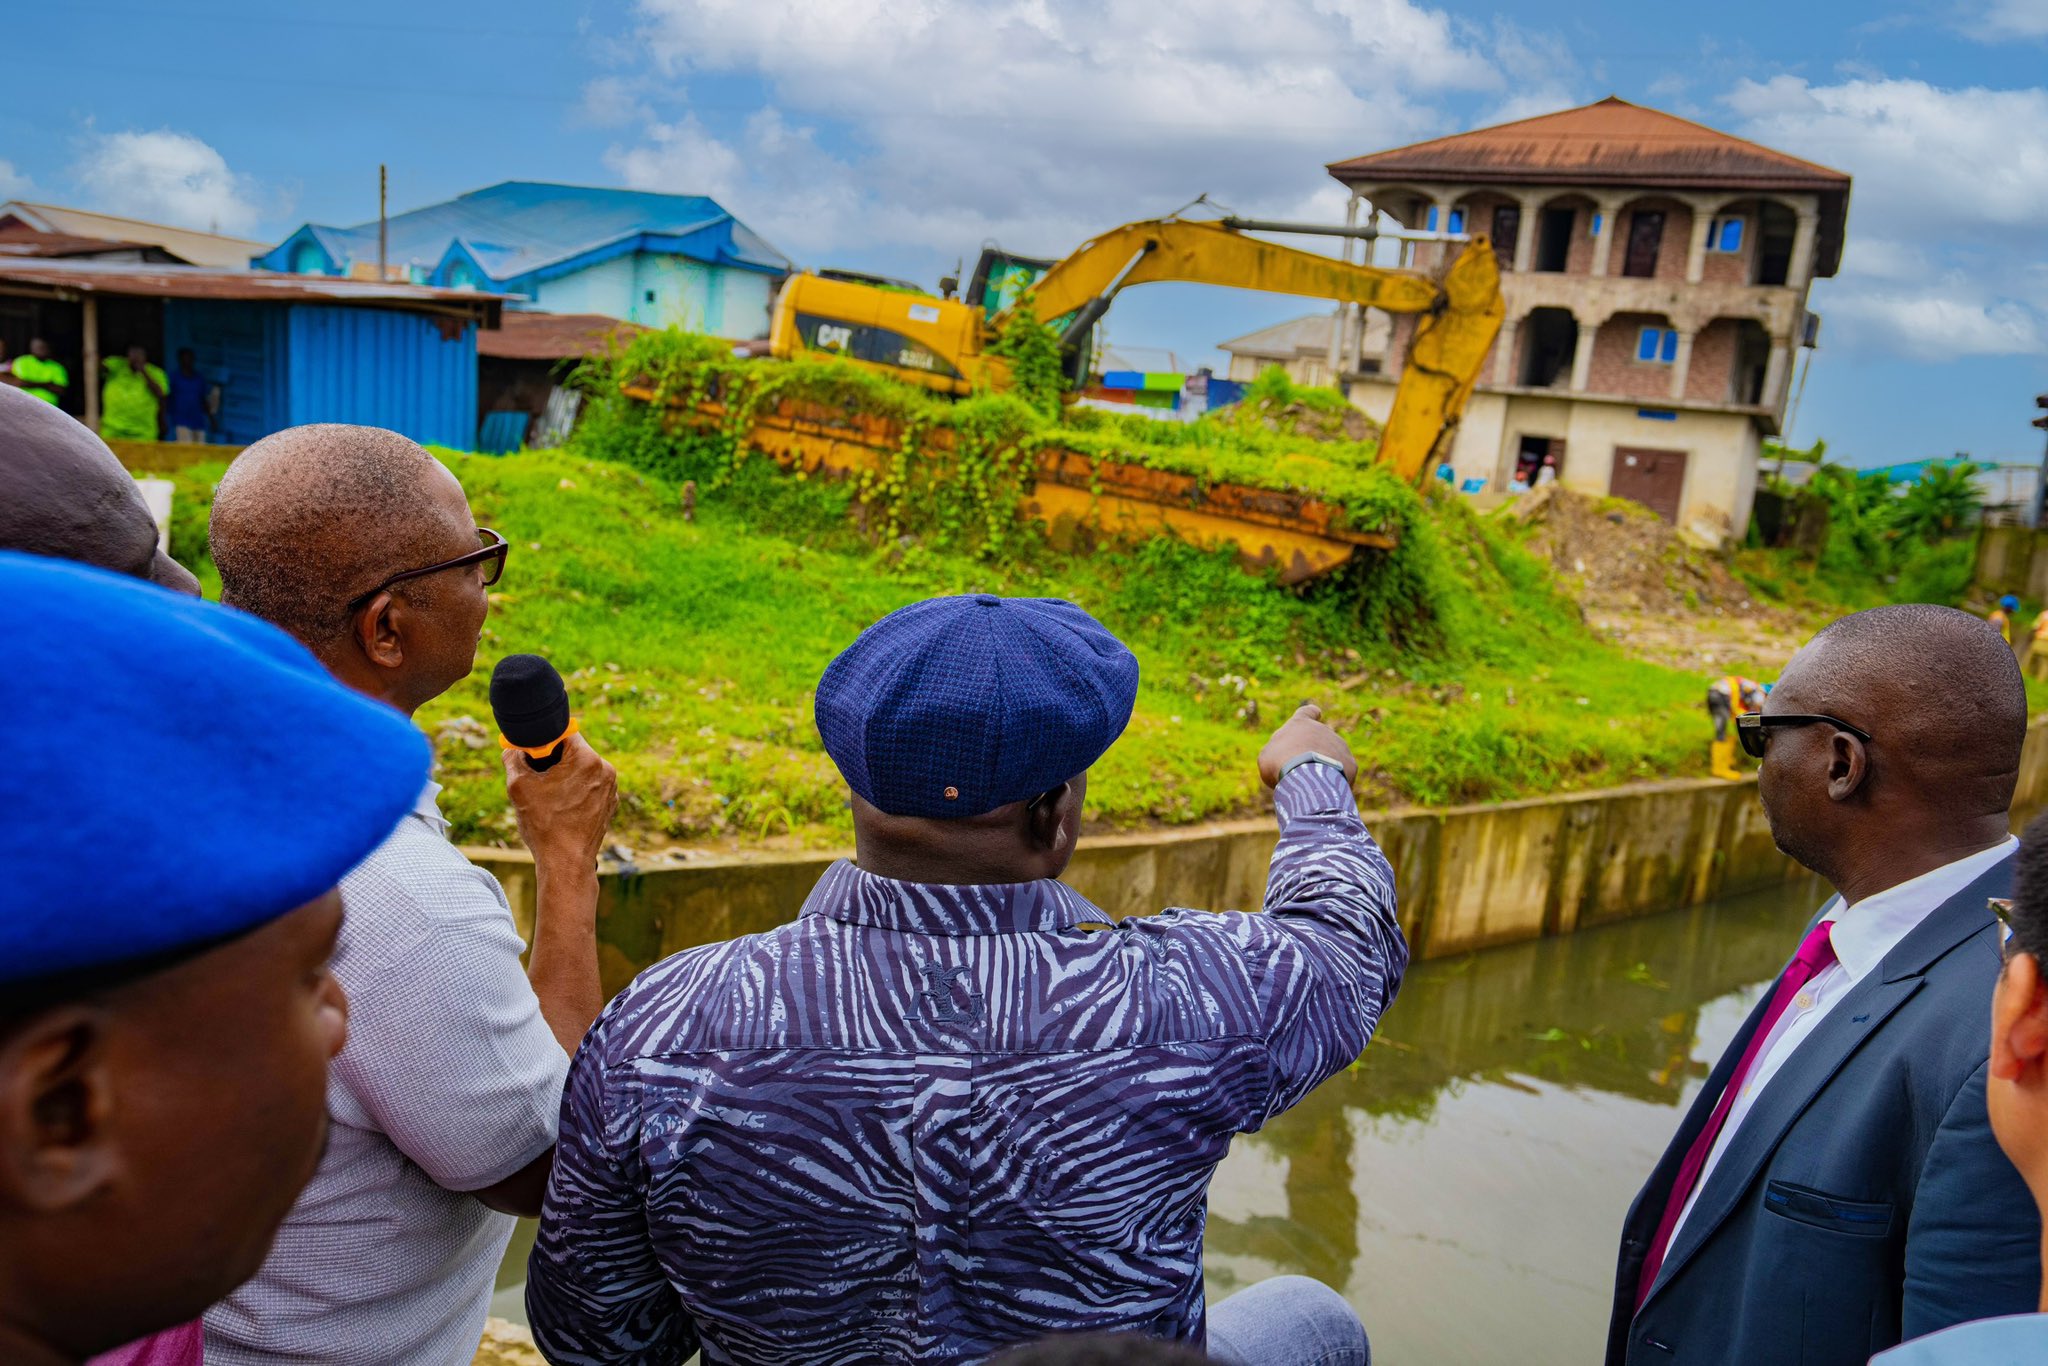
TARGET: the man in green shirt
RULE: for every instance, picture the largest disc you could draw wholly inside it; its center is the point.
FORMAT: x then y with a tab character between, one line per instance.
131	404
37	373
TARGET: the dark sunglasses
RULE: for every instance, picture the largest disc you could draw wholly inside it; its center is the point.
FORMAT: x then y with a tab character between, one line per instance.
491	554
1753	730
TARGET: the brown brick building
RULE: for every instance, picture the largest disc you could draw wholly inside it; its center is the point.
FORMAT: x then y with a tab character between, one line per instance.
1656	275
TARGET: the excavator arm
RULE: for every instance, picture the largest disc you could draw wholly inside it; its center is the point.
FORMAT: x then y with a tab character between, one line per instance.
1459	315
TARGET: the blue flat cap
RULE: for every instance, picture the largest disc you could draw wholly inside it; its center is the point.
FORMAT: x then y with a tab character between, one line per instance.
952	707
174	772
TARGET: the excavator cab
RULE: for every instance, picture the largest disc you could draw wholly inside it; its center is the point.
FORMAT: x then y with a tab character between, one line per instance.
1000	280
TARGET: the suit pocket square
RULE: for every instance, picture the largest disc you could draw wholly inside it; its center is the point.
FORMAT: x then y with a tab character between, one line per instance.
1863	1218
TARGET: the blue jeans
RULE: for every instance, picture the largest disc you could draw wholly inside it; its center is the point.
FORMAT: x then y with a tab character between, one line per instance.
1287	1321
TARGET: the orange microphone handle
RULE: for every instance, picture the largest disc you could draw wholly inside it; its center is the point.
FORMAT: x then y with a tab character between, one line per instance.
541	758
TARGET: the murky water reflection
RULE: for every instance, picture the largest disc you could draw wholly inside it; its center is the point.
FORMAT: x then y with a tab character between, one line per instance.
1464	1185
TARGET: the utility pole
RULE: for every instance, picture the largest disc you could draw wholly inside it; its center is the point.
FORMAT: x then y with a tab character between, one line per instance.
383	182
2041	479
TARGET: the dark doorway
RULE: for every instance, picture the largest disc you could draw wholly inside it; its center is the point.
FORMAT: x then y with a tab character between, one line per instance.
1775	227
1531	452
1645	235
1549	338
1656	479
1507	233
1752	362
1554	239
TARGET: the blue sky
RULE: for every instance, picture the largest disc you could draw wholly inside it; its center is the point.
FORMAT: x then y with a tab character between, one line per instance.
901	134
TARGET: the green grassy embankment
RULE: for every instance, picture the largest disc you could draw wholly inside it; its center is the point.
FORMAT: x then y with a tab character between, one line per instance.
693	649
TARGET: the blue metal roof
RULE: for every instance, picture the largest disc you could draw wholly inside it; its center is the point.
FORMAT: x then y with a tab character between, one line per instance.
523	231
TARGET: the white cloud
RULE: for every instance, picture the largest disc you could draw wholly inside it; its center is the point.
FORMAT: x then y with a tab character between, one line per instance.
2002	19
167	177
1951	186
612	102
1923	156
14	184
911	124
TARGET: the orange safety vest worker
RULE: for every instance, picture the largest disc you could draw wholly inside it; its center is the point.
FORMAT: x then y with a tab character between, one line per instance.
1728	698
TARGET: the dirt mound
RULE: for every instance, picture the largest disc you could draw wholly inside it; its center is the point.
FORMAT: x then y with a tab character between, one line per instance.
1620	556
1322	424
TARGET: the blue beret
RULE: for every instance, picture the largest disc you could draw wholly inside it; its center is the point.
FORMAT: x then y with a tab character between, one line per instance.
174	772
955	706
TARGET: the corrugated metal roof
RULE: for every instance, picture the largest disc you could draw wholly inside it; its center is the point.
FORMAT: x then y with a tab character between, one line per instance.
552	336
21	242
1611	142
520	227
1307	336
200	248
86	276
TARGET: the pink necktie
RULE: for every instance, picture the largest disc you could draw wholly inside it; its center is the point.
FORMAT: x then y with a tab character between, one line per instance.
1815	953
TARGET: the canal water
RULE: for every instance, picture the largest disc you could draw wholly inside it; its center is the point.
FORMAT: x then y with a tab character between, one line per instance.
1464	1183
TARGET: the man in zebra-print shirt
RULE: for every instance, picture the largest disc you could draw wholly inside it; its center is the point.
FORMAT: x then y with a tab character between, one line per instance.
951	1107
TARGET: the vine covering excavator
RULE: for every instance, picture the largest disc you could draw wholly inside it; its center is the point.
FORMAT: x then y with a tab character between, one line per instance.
944	343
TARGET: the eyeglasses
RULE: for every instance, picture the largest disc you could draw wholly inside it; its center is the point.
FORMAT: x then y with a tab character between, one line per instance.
491	554
1753	730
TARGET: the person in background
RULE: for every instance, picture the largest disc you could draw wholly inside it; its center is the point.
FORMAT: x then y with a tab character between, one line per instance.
1835	1187
132	399
166	1010
2002	616
1728	698
63	493
953	1107
1546	473
2017	1094
186	411
445	1103
37	375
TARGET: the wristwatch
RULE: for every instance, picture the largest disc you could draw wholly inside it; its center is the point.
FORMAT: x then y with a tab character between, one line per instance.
1309	757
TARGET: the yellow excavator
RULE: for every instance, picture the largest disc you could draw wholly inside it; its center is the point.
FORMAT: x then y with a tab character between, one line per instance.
943	343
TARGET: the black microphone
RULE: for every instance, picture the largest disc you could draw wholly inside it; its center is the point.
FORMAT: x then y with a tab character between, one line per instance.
531	705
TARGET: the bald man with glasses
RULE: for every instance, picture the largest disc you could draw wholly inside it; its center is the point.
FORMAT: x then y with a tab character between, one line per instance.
1835	1188
444	1105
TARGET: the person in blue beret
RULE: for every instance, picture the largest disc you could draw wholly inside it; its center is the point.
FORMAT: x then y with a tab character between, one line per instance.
954	1106
183	789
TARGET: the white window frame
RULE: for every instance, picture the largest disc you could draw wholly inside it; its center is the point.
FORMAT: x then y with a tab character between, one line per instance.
1663	352
1719	225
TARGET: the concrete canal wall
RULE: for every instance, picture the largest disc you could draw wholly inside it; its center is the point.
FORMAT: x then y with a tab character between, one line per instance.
1469	876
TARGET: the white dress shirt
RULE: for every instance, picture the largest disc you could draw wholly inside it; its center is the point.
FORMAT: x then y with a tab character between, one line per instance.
1862	935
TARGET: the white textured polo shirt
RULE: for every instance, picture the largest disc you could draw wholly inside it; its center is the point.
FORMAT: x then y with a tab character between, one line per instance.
451	1082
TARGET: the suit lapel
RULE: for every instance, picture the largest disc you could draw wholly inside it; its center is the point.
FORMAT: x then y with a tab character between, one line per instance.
1854	1019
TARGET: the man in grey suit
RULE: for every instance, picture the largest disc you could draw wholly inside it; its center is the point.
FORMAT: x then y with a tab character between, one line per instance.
1836	1187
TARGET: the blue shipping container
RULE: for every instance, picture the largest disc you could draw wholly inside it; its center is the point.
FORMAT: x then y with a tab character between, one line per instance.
382	368
280	365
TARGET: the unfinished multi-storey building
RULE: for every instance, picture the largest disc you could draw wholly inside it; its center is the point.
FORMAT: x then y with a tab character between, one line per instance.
1655	273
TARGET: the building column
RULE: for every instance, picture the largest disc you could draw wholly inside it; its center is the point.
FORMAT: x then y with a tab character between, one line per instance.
1773	395
1603	241
89	323
1504	353
1804	233
1525	240
1582	357
1696	250
1681	364
1337	318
